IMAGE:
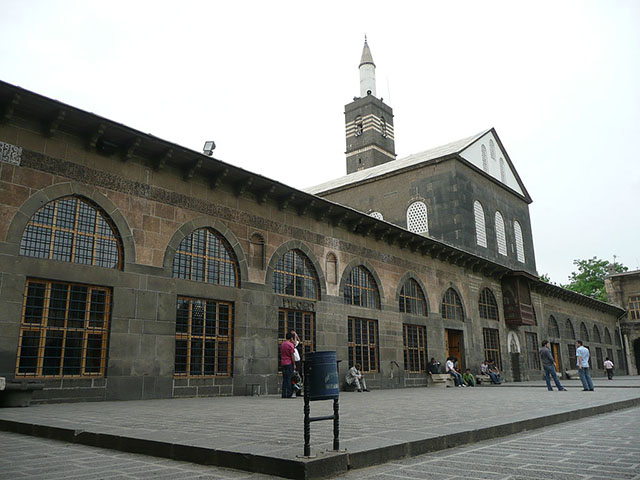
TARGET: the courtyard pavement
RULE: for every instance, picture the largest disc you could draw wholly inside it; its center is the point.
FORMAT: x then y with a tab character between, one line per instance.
265	434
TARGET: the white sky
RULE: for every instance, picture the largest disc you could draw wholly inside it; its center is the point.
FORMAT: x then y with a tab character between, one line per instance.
560	82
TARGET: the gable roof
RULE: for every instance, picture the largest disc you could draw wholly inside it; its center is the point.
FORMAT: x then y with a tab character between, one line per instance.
456	148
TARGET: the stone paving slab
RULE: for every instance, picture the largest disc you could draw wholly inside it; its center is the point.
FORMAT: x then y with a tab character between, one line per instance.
264	434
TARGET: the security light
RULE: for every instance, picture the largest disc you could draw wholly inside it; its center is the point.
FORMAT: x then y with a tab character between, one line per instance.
209	147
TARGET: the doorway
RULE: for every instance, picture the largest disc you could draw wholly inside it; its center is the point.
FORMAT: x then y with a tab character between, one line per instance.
455	346
555	350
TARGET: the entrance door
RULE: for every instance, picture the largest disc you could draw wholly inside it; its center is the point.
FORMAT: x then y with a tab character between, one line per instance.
555	350
454	346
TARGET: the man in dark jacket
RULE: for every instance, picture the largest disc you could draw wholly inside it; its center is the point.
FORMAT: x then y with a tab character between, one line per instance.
549	366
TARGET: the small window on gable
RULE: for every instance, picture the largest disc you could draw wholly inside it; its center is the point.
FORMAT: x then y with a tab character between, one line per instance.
377	215
485	161
519	242
417	220
503	171
492	149
71	229
481	230
501	237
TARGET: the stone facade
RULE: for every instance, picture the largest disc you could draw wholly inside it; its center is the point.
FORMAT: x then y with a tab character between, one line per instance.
155	194
623	289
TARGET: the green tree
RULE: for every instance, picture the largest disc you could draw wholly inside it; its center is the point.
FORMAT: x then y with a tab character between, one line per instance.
589	279
545	278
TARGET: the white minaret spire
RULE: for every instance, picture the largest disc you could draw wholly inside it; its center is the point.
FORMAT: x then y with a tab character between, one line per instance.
367	72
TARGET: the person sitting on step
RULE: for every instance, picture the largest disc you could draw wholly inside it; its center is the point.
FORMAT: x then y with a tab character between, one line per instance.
355	377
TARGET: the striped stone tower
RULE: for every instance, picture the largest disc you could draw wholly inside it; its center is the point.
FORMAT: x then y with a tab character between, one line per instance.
369	122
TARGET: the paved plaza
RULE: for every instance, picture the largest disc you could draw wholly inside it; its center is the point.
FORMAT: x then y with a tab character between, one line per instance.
264	434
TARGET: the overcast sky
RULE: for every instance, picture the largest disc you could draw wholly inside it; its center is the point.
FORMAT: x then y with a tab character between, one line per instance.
268	81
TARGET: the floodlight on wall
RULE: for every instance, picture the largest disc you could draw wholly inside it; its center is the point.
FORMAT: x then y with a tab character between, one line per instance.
209	147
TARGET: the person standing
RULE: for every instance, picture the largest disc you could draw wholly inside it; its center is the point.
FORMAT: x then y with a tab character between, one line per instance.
582	359
608	366
548	363
286	360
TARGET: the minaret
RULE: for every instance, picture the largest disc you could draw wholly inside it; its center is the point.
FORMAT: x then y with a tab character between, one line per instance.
369	122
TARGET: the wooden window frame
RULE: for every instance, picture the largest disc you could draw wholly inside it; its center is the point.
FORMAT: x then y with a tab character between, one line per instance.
368	350
212	266
414	341
287	272
451	302
45	326
195	333
304	324
491	340
488	305
634	307
412	299
533	353
361	289
73	233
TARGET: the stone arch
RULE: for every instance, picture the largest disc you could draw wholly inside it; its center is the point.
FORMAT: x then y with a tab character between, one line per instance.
569	331
607	336
204	222
413	276
553	331
513	343
296	245
597	338
457	290
584	332
54	192
350	266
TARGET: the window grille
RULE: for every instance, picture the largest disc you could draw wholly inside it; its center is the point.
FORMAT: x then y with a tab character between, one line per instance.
599	359
492	346
569	331
584	333
481	230
553	330
204	338
417	220
71	229
64	330
294	275
414	338
412	299
452	306
500	234
607	339
492	149
361	289
487	305
359	125
304	325
596	334
363	343
377	215
485	161
533	356
634	307
519	242
573	360
205	256
503	171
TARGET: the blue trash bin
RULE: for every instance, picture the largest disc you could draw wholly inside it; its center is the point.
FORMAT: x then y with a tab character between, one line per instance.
322	375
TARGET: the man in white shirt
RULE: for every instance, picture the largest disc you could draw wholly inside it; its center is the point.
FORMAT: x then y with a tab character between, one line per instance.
608	366
355	377
451	370
582	359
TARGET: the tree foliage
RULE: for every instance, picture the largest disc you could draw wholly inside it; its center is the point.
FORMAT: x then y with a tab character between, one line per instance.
589	279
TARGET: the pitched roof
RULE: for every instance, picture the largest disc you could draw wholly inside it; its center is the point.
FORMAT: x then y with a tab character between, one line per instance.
395	165
366	55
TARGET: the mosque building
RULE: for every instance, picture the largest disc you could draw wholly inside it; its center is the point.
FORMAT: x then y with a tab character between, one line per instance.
135	268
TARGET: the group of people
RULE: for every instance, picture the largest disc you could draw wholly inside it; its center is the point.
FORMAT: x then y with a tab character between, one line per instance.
292	378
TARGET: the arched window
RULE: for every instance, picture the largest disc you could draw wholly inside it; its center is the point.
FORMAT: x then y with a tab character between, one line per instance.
256	251
481	230
596	334
519	243
503	171
361	289
417	221
294	275
485	160
492	149
584	333
452	306
205	256
569	331
501	237
412	298
332	269
377	215
71	229
487	305
553	330
607	336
